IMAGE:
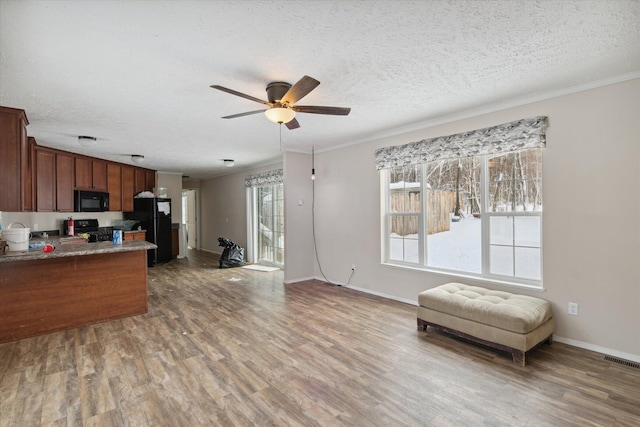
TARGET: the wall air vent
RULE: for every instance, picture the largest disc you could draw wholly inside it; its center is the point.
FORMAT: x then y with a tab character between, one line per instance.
622	362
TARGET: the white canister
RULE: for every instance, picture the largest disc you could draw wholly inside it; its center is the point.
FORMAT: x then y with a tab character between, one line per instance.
17	238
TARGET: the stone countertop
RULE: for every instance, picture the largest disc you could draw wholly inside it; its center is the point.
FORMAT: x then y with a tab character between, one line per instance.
76	249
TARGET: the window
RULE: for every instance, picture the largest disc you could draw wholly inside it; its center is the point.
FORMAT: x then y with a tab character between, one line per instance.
479	216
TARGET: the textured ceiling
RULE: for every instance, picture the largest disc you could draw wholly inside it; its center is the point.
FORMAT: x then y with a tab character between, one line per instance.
136	74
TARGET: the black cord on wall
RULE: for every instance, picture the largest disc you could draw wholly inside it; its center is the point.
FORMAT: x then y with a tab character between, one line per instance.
313	223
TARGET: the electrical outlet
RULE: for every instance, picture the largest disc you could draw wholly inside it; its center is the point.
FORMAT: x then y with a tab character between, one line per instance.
573	308
35	227
353	267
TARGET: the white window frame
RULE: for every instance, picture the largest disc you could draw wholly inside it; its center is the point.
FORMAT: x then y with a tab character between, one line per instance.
485	234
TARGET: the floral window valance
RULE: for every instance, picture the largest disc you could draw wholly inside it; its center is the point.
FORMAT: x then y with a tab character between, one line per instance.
513	136
273	177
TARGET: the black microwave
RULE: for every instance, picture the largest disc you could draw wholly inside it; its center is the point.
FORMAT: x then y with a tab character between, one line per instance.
90	201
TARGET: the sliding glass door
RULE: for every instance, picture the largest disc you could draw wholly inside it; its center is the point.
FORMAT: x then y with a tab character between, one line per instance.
268	224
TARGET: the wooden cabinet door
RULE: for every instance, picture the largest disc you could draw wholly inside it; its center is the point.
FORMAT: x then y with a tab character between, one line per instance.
91	174
114	186
45	180
64	182
13	135
135	235
84	173
99	175
128	188
140	180
150	181
27	173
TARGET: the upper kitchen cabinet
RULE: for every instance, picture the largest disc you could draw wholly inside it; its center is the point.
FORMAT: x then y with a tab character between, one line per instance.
128	188
151	179
145	180
140	183
91	174
15	171
114	186
54	172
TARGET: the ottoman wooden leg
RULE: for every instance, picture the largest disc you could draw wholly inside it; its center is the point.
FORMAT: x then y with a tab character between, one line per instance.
422	325
518	357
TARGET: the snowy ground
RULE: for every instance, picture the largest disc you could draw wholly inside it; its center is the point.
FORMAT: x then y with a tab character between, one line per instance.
461	247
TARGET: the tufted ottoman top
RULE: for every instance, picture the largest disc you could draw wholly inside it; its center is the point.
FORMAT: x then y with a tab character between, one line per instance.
504	310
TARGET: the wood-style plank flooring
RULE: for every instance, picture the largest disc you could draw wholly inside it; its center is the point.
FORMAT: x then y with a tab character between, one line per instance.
236	347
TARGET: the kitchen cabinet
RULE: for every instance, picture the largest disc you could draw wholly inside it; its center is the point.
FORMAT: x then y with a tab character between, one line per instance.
91	174
15	171
28	199
64	182
128	188
54	172
150	182
145	180
76	285
45	180
175	242
114	186
140	180
135	235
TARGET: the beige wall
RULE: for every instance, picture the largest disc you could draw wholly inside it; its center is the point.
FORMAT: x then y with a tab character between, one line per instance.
173	183
591	227
223	209
297	220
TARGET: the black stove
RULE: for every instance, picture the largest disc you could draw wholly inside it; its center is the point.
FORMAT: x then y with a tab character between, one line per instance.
89	226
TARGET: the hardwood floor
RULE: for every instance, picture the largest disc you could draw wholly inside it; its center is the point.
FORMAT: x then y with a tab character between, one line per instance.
236	347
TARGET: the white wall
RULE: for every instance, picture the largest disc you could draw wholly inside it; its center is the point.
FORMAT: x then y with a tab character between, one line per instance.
223	209
591	220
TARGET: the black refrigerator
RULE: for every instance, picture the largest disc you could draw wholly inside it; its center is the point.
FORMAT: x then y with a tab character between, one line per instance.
154	215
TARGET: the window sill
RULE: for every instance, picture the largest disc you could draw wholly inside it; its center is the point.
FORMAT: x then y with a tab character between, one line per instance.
478	278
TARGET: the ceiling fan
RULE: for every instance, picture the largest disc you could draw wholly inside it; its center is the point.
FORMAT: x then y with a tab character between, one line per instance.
281	99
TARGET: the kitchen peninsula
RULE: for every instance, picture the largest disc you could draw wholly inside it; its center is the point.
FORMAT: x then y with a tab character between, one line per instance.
73	286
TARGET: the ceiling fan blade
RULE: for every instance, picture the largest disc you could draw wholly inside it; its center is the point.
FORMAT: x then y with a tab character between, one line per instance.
248	113
292	124
335	111
299	90
242	95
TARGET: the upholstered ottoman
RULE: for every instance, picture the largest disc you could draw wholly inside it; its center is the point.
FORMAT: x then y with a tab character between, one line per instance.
506	321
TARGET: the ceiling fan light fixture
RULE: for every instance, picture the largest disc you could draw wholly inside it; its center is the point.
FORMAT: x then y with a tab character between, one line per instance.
280	114
87	141
137	158
229	162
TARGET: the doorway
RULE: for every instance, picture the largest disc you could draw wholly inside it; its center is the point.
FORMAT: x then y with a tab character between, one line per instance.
268	225
190	218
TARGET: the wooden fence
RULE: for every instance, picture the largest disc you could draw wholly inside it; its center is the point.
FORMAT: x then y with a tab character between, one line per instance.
440	204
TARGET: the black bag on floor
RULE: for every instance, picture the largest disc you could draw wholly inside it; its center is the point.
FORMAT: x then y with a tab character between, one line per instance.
232	255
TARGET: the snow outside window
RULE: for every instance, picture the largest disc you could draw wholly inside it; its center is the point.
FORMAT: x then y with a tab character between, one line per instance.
477	216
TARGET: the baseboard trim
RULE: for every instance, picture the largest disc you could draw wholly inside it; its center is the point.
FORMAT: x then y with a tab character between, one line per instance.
367	291
301	279
380	294
598	349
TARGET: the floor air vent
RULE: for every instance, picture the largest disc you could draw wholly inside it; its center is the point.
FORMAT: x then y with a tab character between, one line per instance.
622	362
